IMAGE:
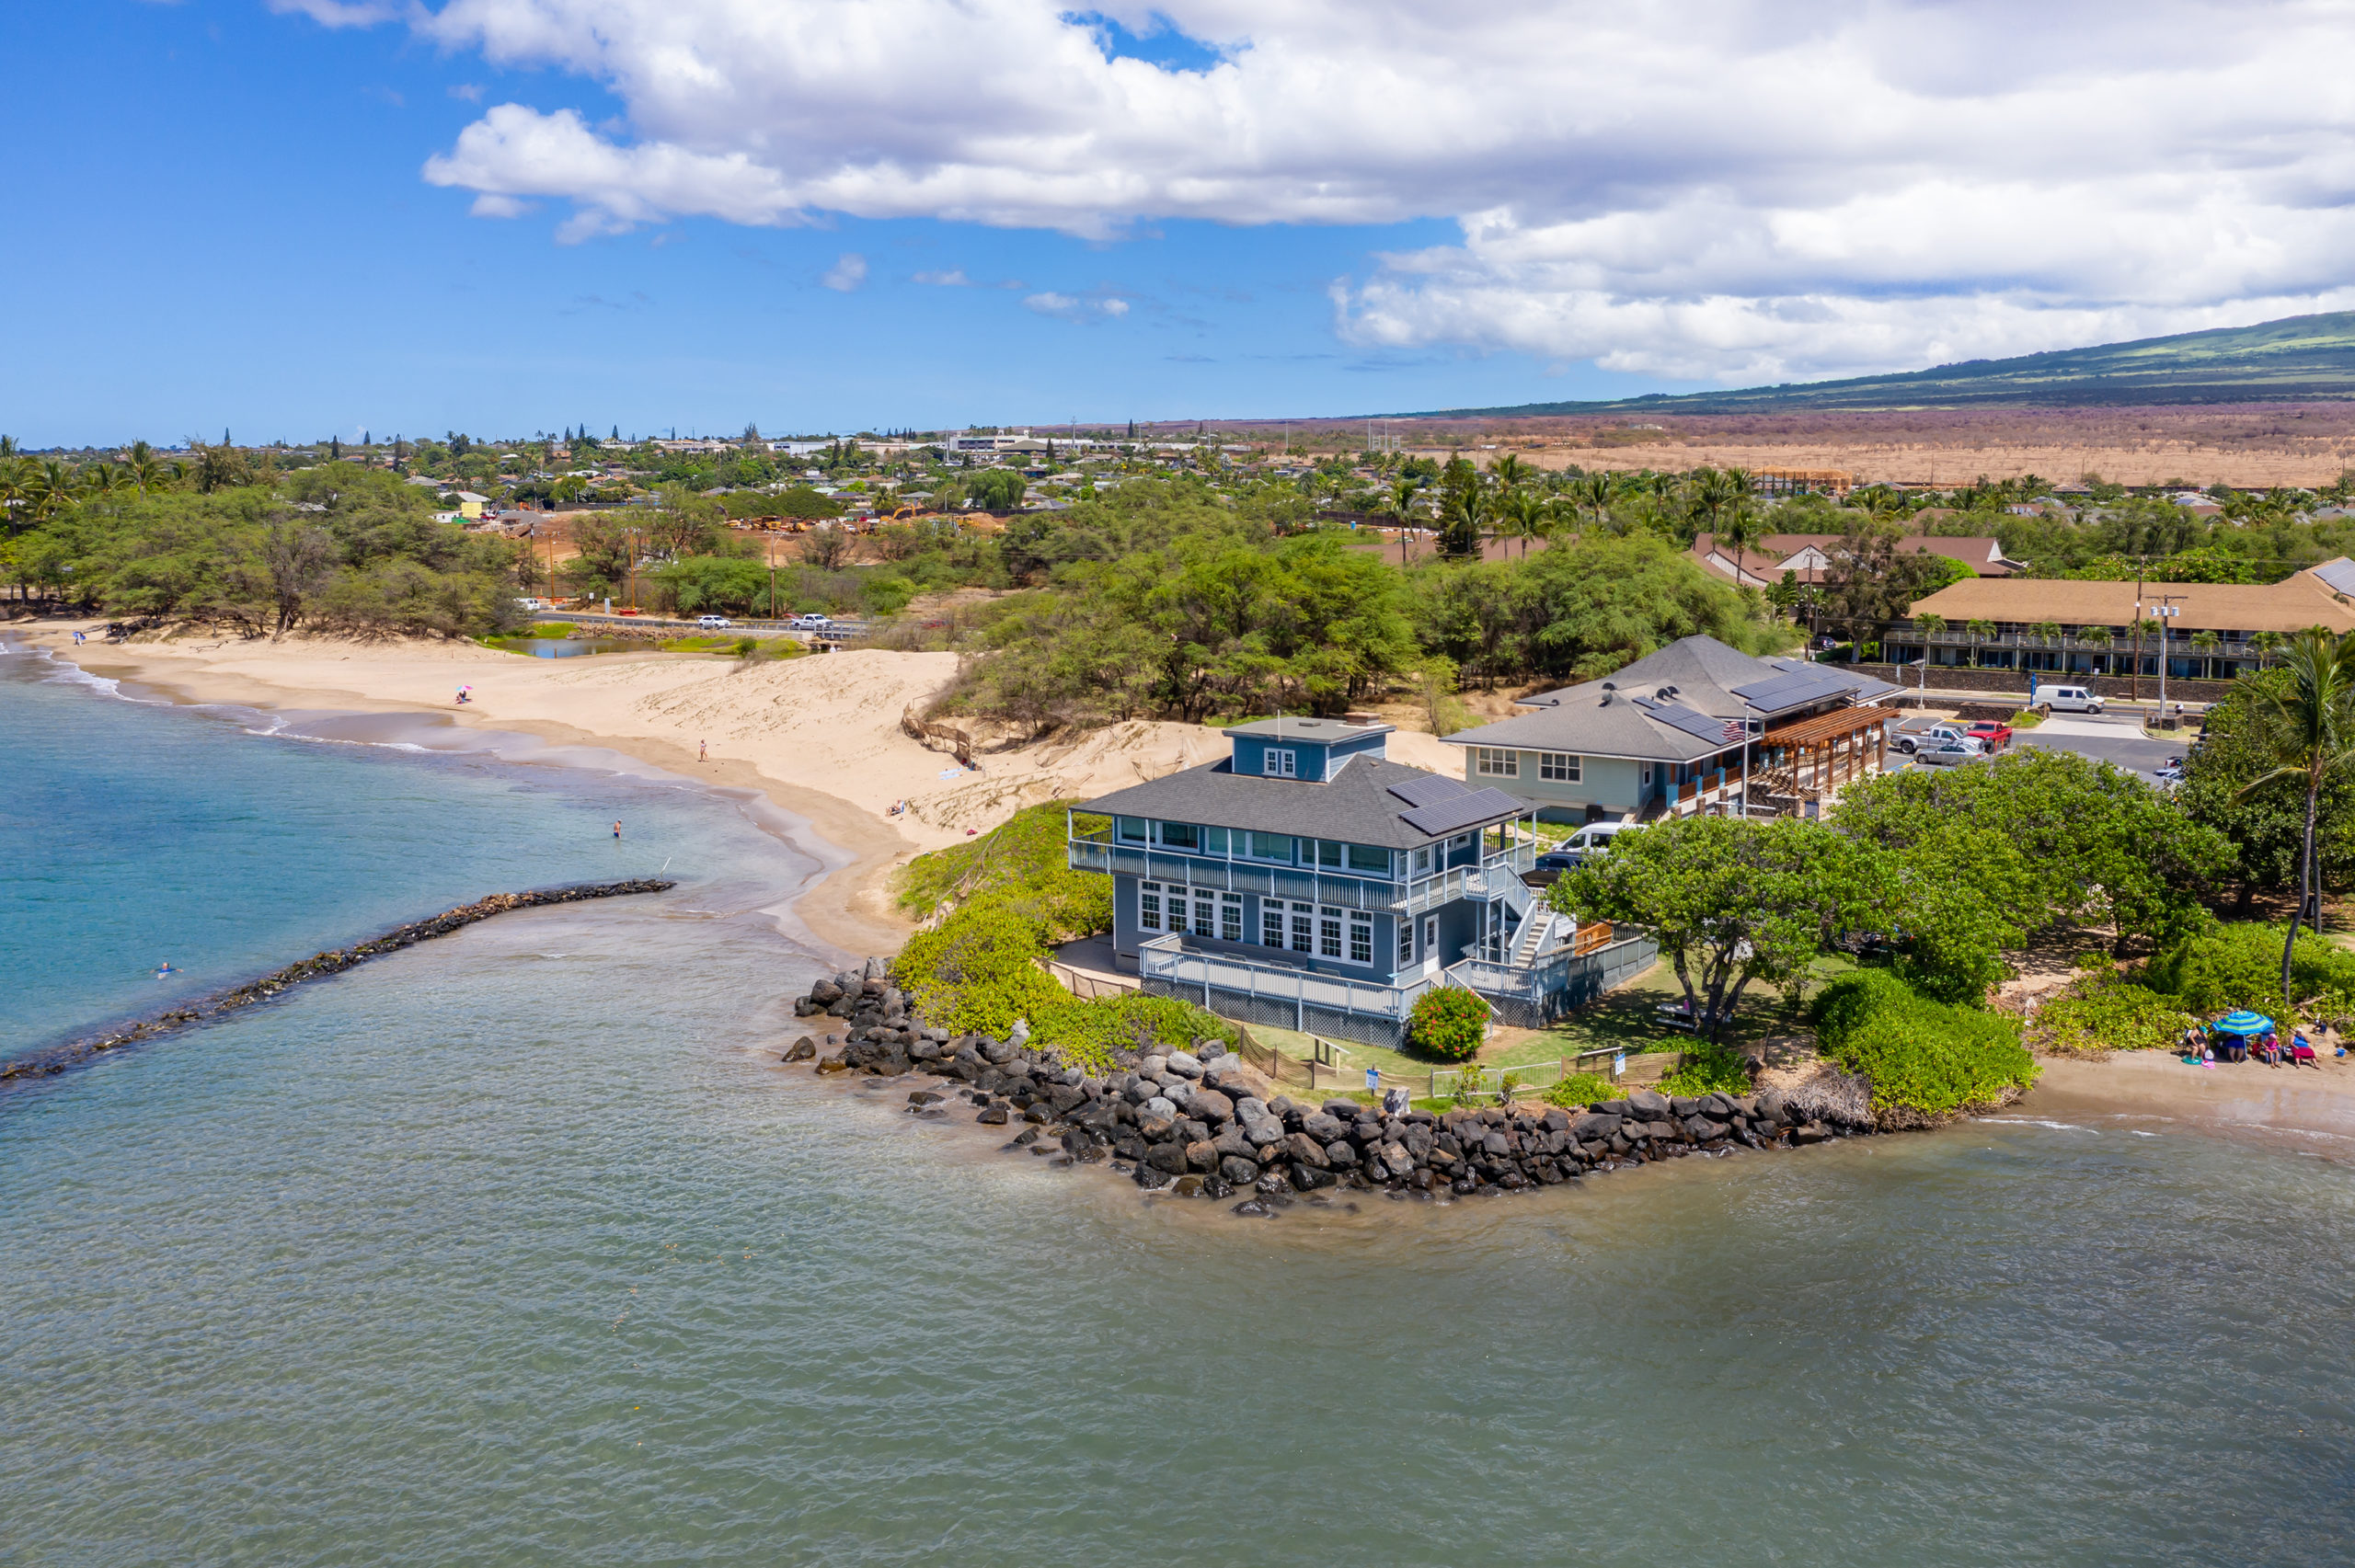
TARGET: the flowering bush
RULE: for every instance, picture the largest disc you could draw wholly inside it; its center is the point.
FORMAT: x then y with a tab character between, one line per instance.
1449	1022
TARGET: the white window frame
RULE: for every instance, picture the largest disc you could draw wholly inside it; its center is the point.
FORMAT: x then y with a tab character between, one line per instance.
1303	928
1271	922
1280	761
1362	937
1205	913
1496	762
1561	767
1406	924
1331	922
1149	906
1230	917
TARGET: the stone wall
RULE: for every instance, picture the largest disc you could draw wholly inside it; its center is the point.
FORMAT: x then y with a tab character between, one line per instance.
1196	1121
2015	682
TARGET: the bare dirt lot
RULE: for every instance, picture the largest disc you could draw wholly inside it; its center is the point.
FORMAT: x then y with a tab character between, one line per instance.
2251	446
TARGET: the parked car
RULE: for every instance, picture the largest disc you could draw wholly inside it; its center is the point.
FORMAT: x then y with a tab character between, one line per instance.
1555	861
810	623
714	623
1996	735
532	604
1590	839
1912	740
2172	773
2068	699
1946	753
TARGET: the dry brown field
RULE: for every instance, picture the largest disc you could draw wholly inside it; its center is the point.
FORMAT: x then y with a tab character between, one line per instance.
2250	446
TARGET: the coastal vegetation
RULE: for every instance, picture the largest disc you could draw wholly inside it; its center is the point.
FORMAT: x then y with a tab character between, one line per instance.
1449	1023
1926	1059
996	906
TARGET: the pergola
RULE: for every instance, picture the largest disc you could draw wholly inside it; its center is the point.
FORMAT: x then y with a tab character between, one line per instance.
1810	759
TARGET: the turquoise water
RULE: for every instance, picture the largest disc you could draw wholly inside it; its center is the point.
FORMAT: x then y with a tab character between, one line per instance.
516	1248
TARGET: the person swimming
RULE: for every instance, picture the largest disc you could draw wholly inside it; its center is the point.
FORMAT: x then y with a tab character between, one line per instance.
165	969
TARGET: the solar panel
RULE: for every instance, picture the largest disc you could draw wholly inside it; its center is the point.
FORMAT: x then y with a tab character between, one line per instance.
1454	815
1428	790
1698	724
1788	689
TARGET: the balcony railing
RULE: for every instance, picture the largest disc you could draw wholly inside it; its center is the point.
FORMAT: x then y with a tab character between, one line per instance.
1094	851
1169	960
2120	639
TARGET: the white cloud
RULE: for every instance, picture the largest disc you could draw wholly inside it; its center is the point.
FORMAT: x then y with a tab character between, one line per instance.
847	273
1716	188
343	12
953	278
1077	308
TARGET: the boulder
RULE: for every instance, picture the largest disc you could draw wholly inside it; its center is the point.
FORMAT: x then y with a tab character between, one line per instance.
1210	1105
997	1053
877	968
1322	1127
1396	1161
1305	1150
992	1115
1169	1157
832	1064
1185	1064
1160	1108
825	992
1019	1035
1308	1178
1208	1051
803	1049
1264	1132
1238	1169
1649	1104
1342	1152
1203	1156
1231	1142
925	1097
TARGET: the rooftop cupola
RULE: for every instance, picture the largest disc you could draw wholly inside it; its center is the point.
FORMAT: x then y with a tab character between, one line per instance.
1313	749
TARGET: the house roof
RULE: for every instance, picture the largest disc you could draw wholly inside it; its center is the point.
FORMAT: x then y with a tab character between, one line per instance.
2303	598
1322	731
1674	705
1766	559
1361	804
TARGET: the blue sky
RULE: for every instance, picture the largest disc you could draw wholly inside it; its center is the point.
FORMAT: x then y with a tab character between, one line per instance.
239	238
296	217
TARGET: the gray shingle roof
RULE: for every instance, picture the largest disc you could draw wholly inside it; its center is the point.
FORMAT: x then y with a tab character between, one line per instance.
1356	806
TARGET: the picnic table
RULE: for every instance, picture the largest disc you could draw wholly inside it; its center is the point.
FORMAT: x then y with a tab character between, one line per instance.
1679	1015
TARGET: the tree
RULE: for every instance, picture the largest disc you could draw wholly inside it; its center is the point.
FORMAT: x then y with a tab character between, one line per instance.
1978	632
1868	582
301	560
1728	900
827	546
2305	728
1526	518
996	489
2266	825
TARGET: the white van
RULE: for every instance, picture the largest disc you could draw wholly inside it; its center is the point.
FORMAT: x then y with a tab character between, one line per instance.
1593	839
2068	700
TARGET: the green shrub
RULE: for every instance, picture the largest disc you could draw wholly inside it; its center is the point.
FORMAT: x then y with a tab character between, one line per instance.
1709	1069
2105	1012
978	971
1024	856
2239	965
1925	1059
1088	1033
1578	1090
1449	1022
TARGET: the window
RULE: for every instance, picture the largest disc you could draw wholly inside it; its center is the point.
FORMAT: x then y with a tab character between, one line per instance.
1405	942
1422	863
1365	857
1131	830
1328	852
1329	934
1205	915
1303	928
1360	937
1180	836
1280	762
1230	916
1213	840
1559	767
1493	763
1271	846
1149	905
1647	775
1271	923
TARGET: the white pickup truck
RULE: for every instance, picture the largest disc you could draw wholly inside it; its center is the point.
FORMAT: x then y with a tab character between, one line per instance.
1912	740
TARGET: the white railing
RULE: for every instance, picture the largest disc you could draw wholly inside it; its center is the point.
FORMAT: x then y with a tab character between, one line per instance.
1304	884
1168	959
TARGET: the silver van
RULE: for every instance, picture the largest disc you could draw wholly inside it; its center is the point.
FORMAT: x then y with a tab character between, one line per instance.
2068	699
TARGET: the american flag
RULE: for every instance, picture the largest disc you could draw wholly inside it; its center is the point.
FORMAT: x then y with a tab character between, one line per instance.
1735	730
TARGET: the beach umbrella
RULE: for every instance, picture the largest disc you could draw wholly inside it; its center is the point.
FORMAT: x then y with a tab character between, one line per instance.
2244	1023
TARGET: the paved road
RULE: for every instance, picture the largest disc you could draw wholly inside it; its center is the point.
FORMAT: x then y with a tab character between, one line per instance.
2118	741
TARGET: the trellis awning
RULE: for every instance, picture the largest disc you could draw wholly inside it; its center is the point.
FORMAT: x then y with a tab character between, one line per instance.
1823	728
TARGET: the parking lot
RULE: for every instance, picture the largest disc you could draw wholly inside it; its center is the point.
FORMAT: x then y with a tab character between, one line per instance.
2118	741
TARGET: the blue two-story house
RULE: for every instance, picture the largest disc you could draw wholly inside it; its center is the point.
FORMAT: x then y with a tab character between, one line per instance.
1306	881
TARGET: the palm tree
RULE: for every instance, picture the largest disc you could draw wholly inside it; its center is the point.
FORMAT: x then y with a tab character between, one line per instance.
2267	644
2206	642
2308	731
1525	516
146	470
52	487
1978	632
16	489
1509	471
1593	493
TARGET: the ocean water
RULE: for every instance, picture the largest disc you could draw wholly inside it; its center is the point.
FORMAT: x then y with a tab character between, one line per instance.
519	1247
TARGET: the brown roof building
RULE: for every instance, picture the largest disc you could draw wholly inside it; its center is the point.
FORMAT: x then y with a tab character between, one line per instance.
1765	560
2064	627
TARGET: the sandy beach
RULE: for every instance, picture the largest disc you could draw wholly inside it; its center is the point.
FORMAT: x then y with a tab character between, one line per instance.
819	736
2153	1090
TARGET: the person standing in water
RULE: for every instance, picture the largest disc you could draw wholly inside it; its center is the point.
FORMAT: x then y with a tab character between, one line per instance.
617	830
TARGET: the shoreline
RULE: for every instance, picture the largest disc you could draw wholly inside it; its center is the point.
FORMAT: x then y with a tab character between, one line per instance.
2240	1099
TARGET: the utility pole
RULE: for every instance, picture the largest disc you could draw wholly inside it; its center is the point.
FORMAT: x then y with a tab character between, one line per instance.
2166	612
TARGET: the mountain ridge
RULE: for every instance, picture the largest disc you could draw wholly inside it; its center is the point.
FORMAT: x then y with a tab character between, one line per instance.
2295	359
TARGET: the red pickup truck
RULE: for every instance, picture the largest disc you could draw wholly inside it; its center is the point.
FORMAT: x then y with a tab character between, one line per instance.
1996	735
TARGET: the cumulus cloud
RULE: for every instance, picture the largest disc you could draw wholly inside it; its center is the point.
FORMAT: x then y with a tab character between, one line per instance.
1722	189
953	278
847	273
343	12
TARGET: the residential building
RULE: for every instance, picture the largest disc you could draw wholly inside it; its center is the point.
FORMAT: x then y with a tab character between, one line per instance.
1808	555
1695	727
1306	881
2062	627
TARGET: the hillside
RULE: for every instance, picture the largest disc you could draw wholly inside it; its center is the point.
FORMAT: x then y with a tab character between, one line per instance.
2299	358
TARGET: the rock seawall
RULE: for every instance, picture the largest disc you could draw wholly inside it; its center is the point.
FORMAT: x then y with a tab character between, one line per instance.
58	1059
1196	1122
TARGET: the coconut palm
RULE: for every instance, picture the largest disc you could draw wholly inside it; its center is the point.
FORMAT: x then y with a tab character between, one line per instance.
2207	642
16	489
1592	494
2307	730
2267	644
1509	471
1526	517
1978	632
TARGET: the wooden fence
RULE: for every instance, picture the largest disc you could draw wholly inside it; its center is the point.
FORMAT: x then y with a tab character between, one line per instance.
937	736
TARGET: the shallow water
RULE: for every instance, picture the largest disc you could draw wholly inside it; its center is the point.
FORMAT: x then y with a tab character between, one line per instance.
517	1248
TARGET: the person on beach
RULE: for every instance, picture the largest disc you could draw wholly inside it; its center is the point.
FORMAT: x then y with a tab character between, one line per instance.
2302	1051
703	750
2268	1050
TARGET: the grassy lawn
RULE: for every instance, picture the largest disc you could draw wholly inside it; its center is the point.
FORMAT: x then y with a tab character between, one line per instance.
1627	1019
